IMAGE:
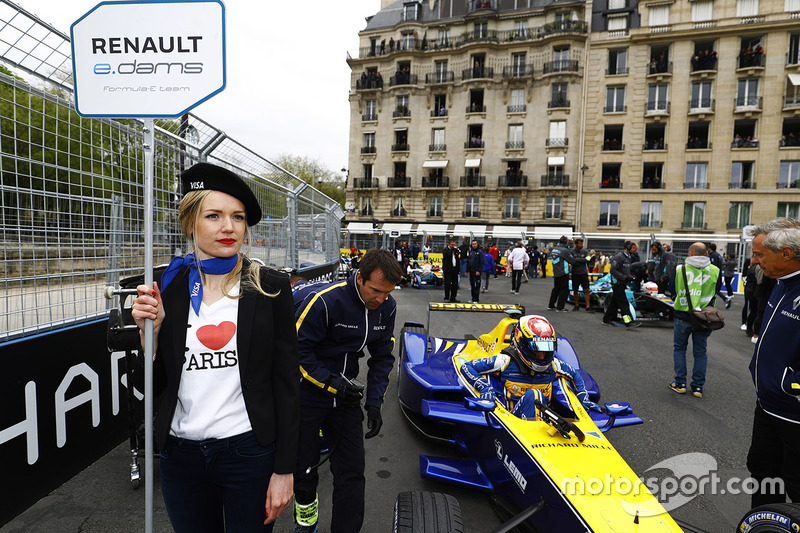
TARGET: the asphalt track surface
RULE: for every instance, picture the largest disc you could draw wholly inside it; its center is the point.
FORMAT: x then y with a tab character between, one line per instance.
633	365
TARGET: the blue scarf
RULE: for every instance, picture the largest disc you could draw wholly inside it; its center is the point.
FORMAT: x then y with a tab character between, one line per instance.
218	265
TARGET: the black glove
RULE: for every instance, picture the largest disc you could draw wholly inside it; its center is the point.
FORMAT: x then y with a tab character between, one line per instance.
374	421
349	394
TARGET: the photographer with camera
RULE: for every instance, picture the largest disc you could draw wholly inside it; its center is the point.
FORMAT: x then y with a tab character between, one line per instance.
335	322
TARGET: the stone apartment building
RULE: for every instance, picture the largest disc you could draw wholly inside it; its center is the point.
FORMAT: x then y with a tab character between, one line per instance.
617	117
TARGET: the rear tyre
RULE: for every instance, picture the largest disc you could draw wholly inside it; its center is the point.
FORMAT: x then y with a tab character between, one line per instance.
772	518
427	512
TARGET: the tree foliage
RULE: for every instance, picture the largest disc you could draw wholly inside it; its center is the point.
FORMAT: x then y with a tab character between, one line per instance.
329	182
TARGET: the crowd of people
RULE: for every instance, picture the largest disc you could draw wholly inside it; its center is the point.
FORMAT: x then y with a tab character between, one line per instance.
751	56
704	60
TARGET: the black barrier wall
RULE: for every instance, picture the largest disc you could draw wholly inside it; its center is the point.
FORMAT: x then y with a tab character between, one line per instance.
64	405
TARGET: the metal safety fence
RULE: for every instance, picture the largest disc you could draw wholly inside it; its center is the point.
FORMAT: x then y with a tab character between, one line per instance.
71	190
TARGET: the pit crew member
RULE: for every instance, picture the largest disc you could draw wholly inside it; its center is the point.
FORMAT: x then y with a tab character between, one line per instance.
335	322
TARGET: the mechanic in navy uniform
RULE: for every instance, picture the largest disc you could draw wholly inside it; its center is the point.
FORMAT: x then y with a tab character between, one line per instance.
775	366
620	277
525	370
335	322
451	263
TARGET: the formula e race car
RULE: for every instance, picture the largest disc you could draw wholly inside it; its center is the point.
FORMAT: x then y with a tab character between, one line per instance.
537	469
644	301
425	275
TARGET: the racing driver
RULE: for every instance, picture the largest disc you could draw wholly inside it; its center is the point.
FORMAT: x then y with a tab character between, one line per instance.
525	370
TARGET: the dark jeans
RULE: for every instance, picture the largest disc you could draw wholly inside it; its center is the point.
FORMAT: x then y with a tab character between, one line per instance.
516	280
342	427
450	284
475	285
682	330
728	287
558	296
774	454
463	267
215	485
619	302
544	269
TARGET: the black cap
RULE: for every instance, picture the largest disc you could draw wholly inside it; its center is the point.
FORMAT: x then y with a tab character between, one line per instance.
205	176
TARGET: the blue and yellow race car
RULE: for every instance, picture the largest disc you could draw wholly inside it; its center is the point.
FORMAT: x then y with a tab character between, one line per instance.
545	471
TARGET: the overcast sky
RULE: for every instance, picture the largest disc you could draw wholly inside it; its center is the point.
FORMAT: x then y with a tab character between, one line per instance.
287	77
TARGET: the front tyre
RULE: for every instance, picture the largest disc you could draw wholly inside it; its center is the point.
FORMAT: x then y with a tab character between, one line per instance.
771	518
427	512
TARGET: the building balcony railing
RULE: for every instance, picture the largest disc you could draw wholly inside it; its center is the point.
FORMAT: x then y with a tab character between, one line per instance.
516	108
561	65
368	150
398	182
791	102
518	71
615	109
476	5
472	181
695	185
744	143
398	212
365	212
701	105
655	145
694	225
439	77
475	108
510	215
472	213
793	58
401	147
516	180
610	182
699	144
752	60
557	102
613	147
552	215
369	116
436	182
659	68
476	73
540	32
653	182
365	183
474	144
402	79
515	145
647	223
746	184
477	37
434	213
788	184
657	107
401	111
555	181
437	147
619	71
368	84
747	103
703	64
608	222
556	141
441	112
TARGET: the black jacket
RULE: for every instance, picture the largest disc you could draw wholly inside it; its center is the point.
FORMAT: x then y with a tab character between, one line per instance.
268	363
475	260
447	259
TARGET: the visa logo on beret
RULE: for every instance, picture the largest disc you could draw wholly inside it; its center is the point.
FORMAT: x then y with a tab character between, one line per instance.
194	185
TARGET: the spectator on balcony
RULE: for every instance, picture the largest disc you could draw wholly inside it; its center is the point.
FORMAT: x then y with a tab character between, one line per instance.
476	70
738	142
654	65
647	183
383	46
662	63
391	44
751	142
657	182
695	62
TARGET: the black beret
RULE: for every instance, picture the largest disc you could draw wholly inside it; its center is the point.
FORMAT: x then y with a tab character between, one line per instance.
205	176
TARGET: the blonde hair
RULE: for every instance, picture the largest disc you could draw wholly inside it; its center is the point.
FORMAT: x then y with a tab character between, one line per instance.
188	215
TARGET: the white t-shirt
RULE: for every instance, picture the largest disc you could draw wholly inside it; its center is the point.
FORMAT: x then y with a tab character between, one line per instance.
210	401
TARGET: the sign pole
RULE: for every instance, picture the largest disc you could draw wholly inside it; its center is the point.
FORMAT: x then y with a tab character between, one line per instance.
149	163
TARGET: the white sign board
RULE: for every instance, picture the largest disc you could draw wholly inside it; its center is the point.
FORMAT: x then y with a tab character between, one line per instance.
148	58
